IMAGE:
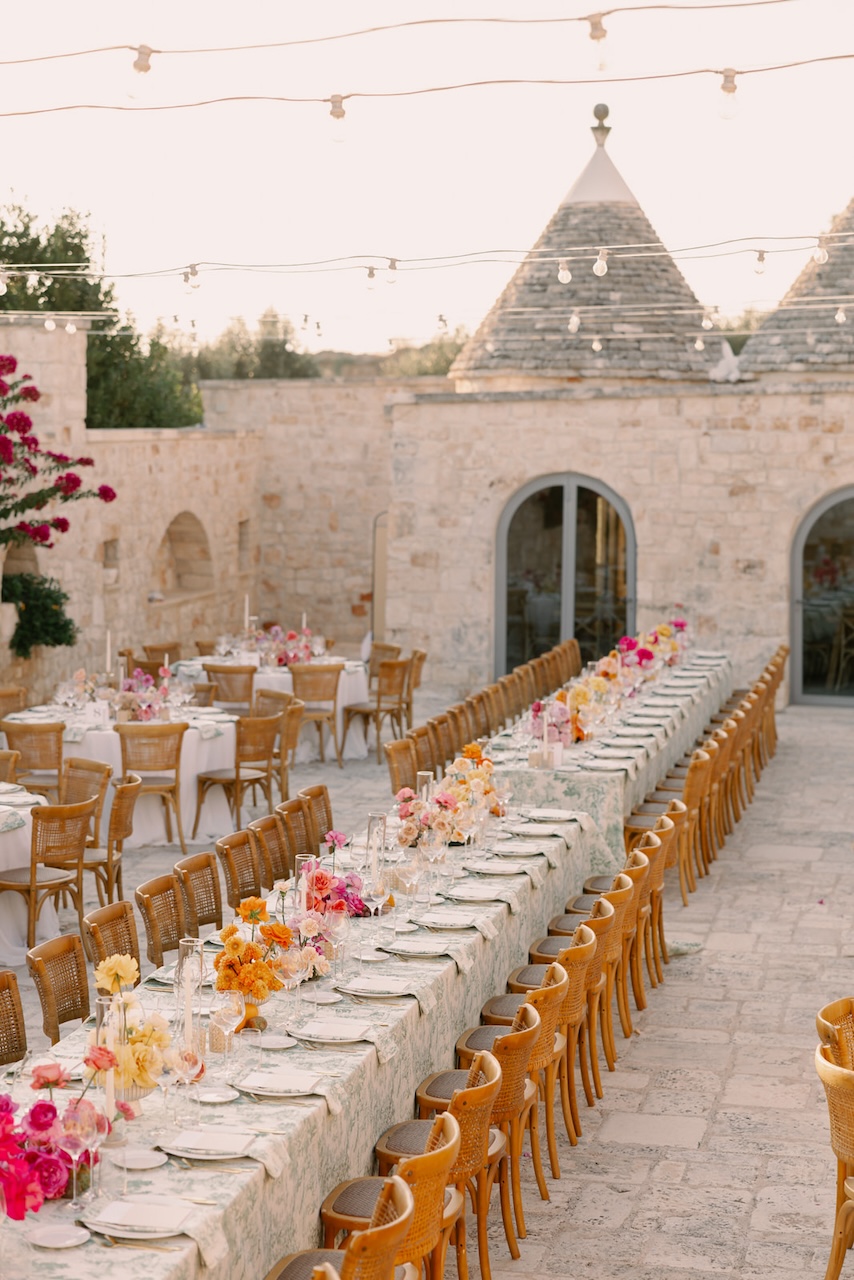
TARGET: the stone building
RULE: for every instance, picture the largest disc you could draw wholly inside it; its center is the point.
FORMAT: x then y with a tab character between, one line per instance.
596	456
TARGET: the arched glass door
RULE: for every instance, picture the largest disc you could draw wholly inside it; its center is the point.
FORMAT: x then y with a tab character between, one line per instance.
823	603
565	565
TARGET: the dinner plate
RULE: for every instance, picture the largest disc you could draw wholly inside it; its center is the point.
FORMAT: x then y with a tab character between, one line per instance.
217	1094
295	1084
487	868
550	815
451	923
135	1157
117	1217
517	849
422	948
341	1032
271	1041
471	893
376	988
192	1144
57	1235
7	788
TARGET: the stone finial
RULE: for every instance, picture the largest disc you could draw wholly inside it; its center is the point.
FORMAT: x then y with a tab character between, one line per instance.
601	130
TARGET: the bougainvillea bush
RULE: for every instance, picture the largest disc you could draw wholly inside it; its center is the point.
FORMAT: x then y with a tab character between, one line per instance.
33	481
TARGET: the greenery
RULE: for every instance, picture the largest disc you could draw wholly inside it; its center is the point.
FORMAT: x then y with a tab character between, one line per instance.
129	386
434	358
739	328
42	620
239	352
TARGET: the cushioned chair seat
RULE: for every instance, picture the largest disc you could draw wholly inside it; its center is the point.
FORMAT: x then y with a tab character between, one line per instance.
445	1086
44	875
302	1265
484	1037
598	884
582	903
228	775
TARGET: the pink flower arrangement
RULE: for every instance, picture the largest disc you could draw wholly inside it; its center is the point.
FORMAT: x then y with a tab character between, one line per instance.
627	644
33	1168
645	657
679	624
327	891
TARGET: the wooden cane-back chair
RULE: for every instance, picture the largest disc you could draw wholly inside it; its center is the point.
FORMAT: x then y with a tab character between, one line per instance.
413	682
13	697
254	748
81	780
241	867
106	864
387	703
198	876
443	741
422	739
317	808
234	685
298	836
402	763
274	846
57	845
205	694
380	652
58	969
838	1084
153	751
111	931
161	905
13	1029
39	747
9	765
316	686
160	652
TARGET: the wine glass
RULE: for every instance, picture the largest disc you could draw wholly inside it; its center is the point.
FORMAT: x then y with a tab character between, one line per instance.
336	930
374	894
408	876
76	1131
100	1135
188	1065
228	1010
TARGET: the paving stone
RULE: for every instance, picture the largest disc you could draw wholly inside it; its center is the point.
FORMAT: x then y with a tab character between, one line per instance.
653	1130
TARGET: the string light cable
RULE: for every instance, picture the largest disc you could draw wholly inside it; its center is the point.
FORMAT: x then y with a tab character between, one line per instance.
144	52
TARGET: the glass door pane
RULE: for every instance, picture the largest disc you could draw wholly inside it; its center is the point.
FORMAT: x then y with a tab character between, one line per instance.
828	604
534	571
601	597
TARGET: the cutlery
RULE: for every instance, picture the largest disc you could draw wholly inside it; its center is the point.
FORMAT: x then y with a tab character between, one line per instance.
198	1200
109	1242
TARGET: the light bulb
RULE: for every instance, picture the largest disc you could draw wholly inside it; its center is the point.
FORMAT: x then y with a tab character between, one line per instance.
32	280
729	107
699	345
595	345
391	275
142	61
337	112
760	263
71	327
598	34
600	266
304	325
4	288
820	254
840	316
564	274
574	322
443	323
50	325
707	322
372	277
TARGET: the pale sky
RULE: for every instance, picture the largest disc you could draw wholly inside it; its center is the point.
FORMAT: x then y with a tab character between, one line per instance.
441	174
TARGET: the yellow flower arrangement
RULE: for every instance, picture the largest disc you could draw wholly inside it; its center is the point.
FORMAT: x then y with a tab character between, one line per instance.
139	1053
242	963
115	972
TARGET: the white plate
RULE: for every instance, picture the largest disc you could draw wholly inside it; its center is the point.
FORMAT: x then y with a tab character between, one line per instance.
199	1153
57	1236
450	924
408	949
135	1157
374	988
472	893
487	868
269	1041
324	1033
323	997
114	1218
214	1095
550	815
7	788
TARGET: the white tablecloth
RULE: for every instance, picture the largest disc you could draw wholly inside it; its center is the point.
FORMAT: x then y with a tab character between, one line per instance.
16	827
352	687
198	753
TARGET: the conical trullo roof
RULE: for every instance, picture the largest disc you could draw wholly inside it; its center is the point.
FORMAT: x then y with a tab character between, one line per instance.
641	313
803	332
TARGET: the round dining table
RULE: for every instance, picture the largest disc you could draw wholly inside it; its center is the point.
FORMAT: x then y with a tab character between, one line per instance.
16	825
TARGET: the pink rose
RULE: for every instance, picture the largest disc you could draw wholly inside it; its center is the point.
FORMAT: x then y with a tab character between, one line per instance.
49	1075
100	1058
319	882
645	657
627	644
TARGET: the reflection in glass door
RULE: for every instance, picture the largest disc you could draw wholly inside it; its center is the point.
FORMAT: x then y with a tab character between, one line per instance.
565	562
824	603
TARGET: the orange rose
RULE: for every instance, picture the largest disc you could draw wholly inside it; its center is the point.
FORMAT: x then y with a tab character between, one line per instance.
472	751
253	910
277	933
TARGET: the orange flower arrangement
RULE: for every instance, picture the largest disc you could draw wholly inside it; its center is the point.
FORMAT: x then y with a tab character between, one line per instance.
472	751
253	911
242	964
276	934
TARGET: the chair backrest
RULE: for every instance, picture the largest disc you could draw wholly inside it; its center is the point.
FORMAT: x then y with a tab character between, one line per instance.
13	697
442	738
58	968
39	745
402	763
637	869
125	795
547	1000
512	1051
274	847
111	931
380	653
416	668
472	1107
204	693
391	680
493	701
159	652
198	876
665	830
234	683
255	742
241	867
318	813
271	702
205	648
9	765
13	1029
83	779
147	666
427	1176
697	778
511	686
291	727
620	895
835	1026
422	739
575	959
478	714
59	833
838	1084
151	748
161	905
297	834
316	681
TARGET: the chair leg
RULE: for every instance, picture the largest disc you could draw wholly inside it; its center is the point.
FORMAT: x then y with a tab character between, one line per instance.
843	1232
536	1157
549	1078
515	1139
319	724
594	1001
636	958
585	1070
566	1102
333	724
177	807
506	1207
167	816
200	796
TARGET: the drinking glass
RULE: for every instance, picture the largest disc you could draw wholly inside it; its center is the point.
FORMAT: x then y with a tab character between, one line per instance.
407	874
250	1050
188	1064
76	1131
336	930
424	779
434	849
101	1133
374	894
228	1010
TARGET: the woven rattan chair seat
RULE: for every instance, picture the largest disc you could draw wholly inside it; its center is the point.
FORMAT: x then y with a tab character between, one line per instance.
357	1200
505	1006
301	1266
44	875
598	884
227	775
583	901
410	1138
483	1037
548	947
641	821
446	1084
536	972
566	924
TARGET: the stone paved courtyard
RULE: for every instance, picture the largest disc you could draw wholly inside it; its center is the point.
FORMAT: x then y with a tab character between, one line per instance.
709	1154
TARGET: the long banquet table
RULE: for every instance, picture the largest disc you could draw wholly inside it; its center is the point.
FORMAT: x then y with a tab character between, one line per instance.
271	1206
607	779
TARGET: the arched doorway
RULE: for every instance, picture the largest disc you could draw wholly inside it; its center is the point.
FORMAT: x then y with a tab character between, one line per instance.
182	564
823	603
565	565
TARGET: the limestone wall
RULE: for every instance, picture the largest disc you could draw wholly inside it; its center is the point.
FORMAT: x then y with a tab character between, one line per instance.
716	482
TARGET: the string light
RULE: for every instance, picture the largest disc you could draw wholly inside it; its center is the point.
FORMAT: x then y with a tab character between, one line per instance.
32	281
596	345
574	322
391	277
820	254
840	316
443	324
142	61
707	322
600	266
372	277
564	274
71	327
337	112
4	287
699	345
50	324
760	263
728	88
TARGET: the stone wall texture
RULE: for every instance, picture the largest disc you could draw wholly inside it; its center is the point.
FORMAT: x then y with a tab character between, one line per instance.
277	494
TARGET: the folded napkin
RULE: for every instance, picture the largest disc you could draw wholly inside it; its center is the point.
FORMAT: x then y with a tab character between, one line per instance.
486	893
425	948
282	1080
10	819
203	1226
75	732
235	1143
618	764
490	867
454	919
332	1029
525	846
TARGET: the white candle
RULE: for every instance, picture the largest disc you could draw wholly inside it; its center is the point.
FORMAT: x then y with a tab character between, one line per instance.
166	660
109	666
188	1003
303	622
110	1079
303	895
246	613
